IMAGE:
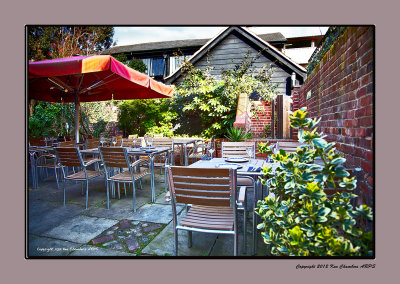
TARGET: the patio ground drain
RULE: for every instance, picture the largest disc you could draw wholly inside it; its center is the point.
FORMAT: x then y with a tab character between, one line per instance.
128	236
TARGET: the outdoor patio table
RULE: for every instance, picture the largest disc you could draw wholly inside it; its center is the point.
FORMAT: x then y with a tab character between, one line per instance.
184	142
156	151
244	171
34	152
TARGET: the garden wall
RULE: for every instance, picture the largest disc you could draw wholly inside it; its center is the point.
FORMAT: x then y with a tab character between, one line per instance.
262	118
341	92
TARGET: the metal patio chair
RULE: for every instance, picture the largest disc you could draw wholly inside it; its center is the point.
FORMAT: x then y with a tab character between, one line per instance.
71	157
164	160
47	161
210	196
200	150
288	146
241	150
115	159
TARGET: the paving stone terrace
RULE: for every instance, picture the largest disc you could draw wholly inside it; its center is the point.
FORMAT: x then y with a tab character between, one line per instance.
73	231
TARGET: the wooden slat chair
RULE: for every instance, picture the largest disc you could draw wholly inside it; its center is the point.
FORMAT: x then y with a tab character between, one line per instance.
200	150
86	159
239	150
164	160
92	143
117	158
126	142
212	196
37	141
288	146
48	161
71	157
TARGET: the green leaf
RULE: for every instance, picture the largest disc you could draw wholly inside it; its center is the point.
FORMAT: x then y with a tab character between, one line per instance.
319	142
260	226
323	211
341	172
300	135
338	161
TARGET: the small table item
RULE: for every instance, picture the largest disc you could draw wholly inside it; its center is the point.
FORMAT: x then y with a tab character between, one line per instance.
236	160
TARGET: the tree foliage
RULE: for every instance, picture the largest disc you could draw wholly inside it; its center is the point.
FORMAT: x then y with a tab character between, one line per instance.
215	100
49	42
144	116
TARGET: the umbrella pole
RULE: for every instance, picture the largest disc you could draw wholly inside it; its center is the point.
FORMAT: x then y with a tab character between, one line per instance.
76	117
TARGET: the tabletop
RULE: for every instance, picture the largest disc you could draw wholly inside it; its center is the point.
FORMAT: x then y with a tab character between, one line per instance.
133	151
186	140
245	168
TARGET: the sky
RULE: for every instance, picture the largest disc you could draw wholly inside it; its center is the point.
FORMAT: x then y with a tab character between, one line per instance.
133	35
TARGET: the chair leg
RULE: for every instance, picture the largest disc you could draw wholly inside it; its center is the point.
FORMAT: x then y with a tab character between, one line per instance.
87	193
134	196
55	172
245	226
165	181
108	196
64	191
119	193
176	241
190	239
235	248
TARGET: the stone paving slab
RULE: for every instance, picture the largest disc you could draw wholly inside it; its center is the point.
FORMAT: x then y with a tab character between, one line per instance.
128	236
97	251
45	216
50	247
80	229
156	213
163	244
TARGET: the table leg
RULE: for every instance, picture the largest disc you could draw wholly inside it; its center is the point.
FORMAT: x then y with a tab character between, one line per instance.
185	154
153	190
255	216
33	170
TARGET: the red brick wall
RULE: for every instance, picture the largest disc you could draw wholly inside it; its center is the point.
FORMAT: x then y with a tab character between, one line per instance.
262	117
342	94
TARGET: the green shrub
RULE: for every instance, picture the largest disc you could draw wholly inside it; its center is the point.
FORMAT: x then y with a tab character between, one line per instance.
300	219
237	134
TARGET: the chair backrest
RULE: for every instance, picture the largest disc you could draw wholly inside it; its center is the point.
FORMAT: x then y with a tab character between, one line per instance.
37	141
114	157
92	143
69	156
210	187
163	142
288	146
67	144
126	142
237	149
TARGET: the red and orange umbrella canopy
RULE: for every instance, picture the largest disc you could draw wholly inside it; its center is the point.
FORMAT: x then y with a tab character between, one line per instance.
91	78
88	79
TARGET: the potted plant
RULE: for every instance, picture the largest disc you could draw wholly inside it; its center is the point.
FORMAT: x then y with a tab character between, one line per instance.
237	134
